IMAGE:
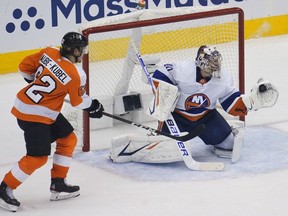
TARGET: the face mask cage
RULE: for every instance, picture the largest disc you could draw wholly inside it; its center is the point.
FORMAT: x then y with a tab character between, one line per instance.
210	61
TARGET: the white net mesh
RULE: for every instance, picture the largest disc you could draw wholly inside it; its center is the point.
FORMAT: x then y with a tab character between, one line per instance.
113	66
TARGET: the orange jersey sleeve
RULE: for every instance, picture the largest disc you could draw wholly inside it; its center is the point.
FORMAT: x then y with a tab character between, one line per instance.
55	77
238	109
29	65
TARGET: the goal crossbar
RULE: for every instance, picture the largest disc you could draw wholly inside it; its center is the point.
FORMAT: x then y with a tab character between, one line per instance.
113	25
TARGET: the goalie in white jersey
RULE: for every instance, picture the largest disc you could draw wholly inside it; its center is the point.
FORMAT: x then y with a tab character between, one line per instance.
191	90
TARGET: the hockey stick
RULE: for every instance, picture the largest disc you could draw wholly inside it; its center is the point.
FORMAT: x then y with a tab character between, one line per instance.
173	128
184	138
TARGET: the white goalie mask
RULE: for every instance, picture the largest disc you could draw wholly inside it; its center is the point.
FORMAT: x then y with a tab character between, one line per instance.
209	60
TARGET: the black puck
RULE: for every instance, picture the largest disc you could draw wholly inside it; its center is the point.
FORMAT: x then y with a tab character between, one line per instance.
262	88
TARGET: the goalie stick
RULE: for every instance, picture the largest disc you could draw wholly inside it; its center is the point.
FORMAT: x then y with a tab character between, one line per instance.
184	138
174	130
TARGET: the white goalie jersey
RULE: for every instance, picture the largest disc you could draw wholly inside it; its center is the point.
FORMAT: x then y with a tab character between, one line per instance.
198	96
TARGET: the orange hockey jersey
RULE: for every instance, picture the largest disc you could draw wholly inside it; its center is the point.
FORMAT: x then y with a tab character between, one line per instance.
54	77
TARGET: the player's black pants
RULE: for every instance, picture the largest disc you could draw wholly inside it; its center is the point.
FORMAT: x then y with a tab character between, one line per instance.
39	136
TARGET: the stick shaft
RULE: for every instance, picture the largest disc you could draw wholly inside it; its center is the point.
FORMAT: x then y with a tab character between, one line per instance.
189	136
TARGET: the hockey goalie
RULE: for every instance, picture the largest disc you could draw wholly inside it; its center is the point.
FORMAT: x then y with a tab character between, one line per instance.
188	92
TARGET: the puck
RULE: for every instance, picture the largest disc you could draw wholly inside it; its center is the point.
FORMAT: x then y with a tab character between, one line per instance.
262	88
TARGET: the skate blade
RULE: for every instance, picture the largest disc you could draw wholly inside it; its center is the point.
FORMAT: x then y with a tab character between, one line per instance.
7	206
55	196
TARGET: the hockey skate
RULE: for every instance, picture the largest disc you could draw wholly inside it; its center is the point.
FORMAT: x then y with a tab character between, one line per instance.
7	200
61	190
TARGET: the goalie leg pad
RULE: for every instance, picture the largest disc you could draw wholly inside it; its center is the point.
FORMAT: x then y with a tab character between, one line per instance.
231	146
224	149
148	149
238	129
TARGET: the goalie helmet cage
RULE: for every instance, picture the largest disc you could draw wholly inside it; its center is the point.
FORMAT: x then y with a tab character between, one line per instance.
158	33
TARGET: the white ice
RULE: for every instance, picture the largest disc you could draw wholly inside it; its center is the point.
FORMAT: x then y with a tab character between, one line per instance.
257	185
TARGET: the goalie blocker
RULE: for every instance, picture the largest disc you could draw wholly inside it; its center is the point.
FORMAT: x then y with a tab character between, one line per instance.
164	101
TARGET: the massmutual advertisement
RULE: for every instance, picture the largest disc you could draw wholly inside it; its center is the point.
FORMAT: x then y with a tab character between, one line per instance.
33	24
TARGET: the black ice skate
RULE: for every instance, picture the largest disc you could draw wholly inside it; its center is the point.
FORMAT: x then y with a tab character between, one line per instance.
61	190
7	200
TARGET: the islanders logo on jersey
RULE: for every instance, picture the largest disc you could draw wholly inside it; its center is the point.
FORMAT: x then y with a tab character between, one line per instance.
197	101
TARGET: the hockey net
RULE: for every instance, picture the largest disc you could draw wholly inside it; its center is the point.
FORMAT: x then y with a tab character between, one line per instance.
161	36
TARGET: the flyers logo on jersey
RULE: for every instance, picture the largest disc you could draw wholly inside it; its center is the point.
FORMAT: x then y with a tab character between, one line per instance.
197	101
81	90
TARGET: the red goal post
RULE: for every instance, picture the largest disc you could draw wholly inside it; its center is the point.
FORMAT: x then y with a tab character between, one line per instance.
163	35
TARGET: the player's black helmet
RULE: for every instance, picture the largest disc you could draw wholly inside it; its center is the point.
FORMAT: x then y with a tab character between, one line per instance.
72	40
209	60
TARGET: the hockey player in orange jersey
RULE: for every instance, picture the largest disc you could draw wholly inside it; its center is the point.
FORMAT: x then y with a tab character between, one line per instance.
51	74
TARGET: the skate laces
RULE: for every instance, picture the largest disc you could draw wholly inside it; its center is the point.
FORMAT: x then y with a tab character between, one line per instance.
65	183
61	185
9	192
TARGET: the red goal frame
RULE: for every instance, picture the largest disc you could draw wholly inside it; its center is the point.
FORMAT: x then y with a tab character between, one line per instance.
177	18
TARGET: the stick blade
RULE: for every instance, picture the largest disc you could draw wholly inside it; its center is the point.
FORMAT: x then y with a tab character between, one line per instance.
203	166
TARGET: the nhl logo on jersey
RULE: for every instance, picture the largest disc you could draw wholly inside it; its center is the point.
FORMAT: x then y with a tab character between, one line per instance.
197	101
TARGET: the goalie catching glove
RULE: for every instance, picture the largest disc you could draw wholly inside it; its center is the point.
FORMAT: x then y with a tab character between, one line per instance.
164	101
95	110
264	94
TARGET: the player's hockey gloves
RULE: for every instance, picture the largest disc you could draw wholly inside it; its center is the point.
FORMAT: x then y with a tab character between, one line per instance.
95	110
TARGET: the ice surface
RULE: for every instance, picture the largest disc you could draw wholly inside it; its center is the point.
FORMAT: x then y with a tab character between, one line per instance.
256	185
